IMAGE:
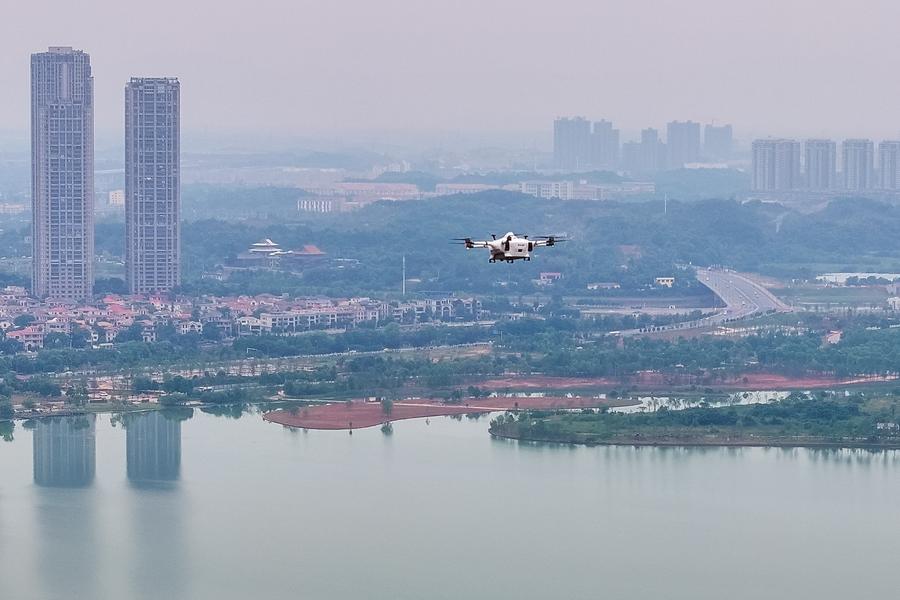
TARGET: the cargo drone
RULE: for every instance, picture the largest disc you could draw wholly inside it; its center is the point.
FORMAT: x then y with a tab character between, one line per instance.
511	247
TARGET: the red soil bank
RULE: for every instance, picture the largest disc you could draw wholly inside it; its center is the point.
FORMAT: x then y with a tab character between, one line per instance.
357	415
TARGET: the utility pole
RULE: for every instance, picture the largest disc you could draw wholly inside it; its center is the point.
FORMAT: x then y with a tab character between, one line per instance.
403	283
666	204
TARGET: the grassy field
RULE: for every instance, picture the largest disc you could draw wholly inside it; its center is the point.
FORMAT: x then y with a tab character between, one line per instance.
814	294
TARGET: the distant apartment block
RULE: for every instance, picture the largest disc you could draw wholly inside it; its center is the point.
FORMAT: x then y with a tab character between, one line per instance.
152	185
604	146
718	141
563	190
62	167
646	156
572	143
580	146
116	198
12	208
776	165
859	162
449	189
612	191
889	165
317	204
821	164
682	143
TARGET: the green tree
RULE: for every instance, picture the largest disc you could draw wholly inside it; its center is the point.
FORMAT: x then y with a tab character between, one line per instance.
80	337
6	409
23	320
57	341
143	384
173	399
387	406
77	395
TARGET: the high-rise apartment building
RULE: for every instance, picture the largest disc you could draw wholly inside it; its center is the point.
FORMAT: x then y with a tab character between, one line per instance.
646	156
604	146
152	185
889	165
821	164
572	143
776	165
682	143
62	174
653	151
718	141
858	158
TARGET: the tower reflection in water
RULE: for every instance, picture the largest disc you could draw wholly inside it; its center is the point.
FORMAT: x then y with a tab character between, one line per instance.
64	450
153	445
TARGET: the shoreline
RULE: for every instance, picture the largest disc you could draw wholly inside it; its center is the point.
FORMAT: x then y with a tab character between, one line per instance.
679	383
810	443
361	415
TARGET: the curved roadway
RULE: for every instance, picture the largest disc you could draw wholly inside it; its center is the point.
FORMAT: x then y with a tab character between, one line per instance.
743	297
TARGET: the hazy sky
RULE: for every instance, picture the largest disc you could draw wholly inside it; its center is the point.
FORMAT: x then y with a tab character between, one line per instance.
301	67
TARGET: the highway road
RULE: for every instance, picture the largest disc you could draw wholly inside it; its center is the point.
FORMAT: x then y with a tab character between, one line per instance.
742	295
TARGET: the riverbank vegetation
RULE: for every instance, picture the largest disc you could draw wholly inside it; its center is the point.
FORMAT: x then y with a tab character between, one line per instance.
800	420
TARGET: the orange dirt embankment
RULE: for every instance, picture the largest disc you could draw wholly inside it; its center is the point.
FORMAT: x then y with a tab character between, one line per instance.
657	381
357	415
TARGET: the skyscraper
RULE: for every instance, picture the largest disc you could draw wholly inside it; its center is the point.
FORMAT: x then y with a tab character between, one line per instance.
821	164
776	165
152	185
653	151
717	141
62	174
889	165
605	146
682	143
859	162
572	143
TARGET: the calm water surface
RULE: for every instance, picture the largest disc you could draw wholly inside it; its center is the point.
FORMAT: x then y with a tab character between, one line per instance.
221	508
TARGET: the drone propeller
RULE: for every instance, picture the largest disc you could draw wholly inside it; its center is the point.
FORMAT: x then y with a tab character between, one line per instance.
467	242
552	239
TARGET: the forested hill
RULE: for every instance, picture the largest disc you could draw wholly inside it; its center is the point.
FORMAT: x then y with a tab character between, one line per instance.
625	242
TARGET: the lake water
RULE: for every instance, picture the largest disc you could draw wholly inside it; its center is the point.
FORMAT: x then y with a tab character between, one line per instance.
647	404
223	508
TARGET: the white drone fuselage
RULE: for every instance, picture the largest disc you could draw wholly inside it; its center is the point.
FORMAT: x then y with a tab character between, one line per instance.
510	247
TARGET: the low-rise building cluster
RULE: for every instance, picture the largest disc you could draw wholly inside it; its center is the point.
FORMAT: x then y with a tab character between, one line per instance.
115	318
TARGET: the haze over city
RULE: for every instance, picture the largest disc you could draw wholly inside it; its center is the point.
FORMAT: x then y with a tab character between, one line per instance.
400	67
411	300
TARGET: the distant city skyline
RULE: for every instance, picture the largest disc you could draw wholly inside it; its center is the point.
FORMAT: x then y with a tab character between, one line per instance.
811	165
359	67
579	144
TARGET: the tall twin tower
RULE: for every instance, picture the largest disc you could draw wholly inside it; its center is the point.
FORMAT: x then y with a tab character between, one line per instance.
62	186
